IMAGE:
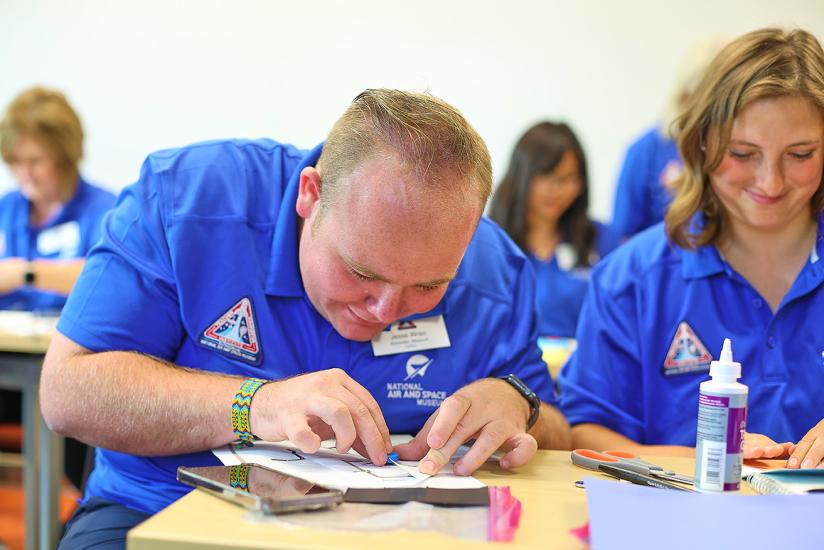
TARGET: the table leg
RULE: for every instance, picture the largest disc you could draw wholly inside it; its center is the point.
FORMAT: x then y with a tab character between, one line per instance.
32	466
51	475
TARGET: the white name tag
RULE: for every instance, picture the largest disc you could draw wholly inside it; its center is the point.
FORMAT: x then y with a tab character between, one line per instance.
417	335
62	240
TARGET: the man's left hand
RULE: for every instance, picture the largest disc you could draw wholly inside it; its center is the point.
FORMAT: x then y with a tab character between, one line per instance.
490	411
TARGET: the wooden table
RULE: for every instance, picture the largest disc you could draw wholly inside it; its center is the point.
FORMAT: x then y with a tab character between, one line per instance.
552	505
24	339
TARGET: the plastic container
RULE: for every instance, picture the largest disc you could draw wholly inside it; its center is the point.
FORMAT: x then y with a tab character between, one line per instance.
722	420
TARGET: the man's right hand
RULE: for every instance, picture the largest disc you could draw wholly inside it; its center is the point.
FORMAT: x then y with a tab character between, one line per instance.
321	405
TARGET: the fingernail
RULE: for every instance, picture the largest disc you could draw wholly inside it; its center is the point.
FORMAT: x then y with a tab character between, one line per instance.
427	467
459	469
504	464
792	463
808	463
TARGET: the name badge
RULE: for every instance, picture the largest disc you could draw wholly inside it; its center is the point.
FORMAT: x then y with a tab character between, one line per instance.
62	240
417	335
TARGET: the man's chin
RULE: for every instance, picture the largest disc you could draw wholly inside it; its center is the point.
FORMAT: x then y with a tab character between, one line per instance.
357	333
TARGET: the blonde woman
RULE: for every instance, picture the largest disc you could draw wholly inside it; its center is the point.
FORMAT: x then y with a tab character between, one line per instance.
738	256
54	217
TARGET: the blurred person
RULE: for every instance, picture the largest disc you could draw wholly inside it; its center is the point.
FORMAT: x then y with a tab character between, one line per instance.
652	162
542	204
49	223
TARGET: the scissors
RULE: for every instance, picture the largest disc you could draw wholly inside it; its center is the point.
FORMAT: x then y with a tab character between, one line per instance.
589	459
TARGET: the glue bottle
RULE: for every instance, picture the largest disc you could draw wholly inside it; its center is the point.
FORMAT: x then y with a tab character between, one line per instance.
722	420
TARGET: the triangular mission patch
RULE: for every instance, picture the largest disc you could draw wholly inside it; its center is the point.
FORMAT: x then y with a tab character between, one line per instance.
687	353
235	333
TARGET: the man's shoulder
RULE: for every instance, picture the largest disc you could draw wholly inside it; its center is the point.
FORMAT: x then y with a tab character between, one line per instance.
223	179
644	259
228	153
492	264
97	197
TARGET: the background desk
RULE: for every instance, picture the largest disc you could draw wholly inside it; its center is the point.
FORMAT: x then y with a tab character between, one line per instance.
24	339
552	505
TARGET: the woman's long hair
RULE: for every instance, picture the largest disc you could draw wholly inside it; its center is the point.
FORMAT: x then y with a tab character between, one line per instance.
538	152
766	63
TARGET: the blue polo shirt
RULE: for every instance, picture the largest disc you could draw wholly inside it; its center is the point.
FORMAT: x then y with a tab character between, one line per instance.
656	315
199	266
642	196
70	233
561	289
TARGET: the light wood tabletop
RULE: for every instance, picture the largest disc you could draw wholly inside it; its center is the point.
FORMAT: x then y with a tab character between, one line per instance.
552	505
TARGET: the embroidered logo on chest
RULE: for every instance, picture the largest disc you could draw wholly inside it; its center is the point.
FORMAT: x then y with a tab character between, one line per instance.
687	353
235	334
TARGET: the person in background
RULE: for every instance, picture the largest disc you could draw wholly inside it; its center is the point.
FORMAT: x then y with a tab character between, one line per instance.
652	162
739	257
542	204
52	220
49	223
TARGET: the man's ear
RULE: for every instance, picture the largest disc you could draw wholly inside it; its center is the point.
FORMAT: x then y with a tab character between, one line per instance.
308	192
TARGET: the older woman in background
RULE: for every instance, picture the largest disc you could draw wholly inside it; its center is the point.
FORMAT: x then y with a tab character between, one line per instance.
49	224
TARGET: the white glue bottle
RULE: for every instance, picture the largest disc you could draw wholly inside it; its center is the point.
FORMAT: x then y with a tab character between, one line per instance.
722	419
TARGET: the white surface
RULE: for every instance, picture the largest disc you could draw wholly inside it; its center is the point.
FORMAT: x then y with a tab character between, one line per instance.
24	323
342	471
160	73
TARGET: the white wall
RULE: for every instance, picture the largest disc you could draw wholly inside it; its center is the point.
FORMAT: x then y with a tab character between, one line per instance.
150	74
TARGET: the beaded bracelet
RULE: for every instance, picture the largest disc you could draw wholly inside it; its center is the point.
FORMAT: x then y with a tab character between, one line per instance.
241	406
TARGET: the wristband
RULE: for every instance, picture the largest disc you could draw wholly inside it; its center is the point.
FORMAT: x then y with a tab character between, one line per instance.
239	477
29	275
530	396
241	407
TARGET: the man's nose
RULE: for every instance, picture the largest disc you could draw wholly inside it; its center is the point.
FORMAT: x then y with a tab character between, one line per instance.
386	305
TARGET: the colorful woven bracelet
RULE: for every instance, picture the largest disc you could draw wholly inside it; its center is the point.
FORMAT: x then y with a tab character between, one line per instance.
239	477
241	406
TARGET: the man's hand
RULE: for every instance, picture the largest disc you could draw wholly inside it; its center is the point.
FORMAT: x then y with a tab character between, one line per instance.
310	408
761	446
809	452
490	411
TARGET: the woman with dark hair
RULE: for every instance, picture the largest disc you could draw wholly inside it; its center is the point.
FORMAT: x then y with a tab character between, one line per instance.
542	204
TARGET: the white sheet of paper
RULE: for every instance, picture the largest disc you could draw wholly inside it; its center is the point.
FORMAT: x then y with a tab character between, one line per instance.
342	470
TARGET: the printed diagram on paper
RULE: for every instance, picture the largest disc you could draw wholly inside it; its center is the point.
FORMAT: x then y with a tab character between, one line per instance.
340	470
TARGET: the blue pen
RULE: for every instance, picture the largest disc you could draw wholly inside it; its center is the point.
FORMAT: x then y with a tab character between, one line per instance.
392	458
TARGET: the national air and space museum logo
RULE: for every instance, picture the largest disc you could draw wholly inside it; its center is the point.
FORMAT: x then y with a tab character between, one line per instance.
411	388
417	365
235	334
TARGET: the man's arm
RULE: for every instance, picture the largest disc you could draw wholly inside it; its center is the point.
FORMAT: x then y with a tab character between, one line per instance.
133	403
551	431
600	438
52	275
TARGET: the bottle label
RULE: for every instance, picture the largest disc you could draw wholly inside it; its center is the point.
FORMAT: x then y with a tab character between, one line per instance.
722	421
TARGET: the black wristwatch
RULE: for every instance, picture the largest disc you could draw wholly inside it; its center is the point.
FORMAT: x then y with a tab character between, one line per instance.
28	275
529	395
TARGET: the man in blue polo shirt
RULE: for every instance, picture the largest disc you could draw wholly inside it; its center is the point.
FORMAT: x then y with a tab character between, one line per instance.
325	272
